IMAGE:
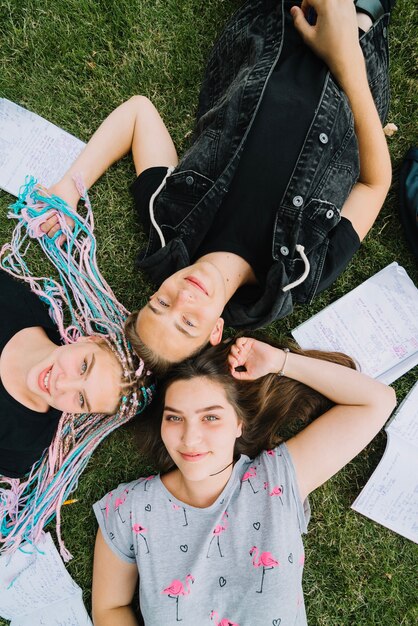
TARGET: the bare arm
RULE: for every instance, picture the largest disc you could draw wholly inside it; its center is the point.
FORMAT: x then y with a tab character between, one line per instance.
331	441
114	583
134	126
334	38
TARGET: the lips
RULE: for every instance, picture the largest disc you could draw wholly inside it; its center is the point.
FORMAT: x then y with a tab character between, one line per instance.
197	283
193	458
44	379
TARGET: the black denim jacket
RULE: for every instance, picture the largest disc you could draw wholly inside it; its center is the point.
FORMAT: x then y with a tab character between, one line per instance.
326	170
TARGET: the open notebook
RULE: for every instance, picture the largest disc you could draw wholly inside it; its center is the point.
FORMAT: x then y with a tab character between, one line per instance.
376	323
30	145
391	495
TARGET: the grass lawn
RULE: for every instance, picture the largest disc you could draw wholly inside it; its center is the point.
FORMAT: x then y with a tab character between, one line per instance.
74	61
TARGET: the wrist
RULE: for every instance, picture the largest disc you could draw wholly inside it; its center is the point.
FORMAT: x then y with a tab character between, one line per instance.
284	354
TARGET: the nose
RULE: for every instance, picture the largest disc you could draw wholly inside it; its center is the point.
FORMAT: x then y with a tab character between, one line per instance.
184	296
191	435
64	383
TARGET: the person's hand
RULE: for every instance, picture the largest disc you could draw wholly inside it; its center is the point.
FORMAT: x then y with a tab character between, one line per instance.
255	359
334	36
68	192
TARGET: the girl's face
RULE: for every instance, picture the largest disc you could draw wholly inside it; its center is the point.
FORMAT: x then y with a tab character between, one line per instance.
199	427
82	377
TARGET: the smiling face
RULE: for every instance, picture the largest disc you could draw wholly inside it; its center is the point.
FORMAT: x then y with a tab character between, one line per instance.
184	314
199	427
83	377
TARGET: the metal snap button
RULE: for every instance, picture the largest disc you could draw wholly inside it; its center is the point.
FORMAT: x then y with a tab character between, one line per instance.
330	213
284	250
189	180
297	201
323	138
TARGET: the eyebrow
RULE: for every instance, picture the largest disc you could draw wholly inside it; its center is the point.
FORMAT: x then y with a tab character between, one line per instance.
90	367
177	326
204	410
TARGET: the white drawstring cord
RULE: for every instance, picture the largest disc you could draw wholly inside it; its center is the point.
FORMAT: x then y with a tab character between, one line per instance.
170	170
301	250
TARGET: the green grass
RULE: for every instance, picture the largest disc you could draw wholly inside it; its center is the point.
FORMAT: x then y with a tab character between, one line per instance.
73	62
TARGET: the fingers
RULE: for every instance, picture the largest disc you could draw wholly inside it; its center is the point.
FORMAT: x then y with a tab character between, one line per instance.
238	356
52	225
300	22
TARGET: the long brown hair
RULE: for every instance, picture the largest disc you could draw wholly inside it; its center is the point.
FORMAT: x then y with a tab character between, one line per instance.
271	409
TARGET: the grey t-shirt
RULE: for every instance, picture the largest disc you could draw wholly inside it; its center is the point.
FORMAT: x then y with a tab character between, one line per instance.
239	560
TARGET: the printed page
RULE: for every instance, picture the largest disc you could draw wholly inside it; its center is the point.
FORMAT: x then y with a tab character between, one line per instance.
404	423
391	495
376	324
30	145
69	612
34	586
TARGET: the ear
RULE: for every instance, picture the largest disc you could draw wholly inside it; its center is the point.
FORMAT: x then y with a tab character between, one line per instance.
216	335
89	338
239	430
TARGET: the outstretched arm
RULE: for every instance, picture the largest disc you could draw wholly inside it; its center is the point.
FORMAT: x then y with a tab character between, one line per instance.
362	405
114	583
334	38
134	126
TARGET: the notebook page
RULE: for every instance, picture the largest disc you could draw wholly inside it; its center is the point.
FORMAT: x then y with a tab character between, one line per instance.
376	323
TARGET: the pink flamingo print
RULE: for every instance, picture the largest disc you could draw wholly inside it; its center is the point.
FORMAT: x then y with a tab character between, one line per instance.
251	473
138	529
107	504
119	501
217	531
222	622
176	507
177	589
276	491
266	561
147	481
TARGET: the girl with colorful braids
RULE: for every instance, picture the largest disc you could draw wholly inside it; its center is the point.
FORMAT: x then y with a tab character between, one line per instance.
216	535
63	388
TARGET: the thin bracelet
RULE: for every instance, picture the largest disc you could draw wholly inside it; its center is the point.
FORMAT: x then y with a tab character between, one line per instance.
281	372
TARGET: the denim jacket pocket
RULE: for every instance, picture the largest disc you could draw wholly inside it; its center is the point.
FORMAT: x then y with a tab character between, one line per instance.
202	156
183	190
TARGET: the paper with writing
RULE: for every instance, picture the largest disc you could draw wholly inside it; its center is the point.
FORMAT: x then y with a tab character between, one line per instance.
35	588
30	145
390	497
376	323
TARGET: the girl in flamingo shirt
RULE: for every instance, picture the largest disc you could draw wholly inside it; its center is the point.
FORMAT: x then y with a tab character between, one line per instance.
215	537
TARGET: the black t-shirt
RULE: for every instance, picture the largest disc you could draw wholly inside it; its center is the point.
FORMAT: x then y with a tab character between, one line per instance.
24	433
245	221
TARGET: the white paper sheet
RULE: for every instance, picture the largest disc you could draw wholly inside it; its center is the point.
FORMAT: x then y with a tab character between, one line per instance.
390	497
36	589
30	145
376	324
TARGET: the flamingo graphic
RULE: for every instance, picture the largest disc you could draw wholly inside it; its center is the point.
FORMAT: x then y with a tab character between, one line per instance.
177	589
217	531
266	561
251	473
119	501
176	507
222	622
276	491
138	529
108	499
147	481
